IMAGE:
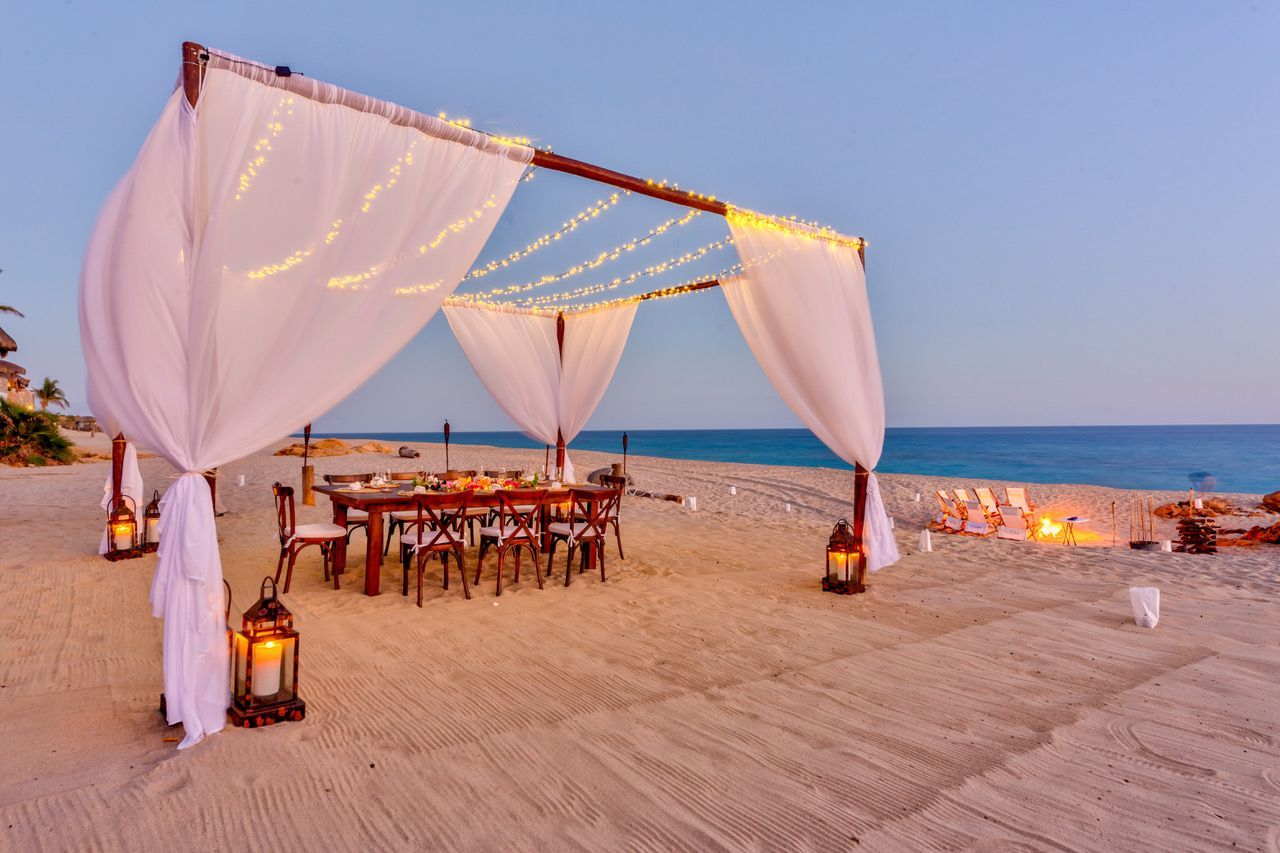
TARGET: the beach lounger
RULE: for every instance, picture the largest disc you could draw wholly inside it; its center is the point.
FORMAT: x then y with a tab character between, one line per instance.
951	519
1017	496
962	496
976	522
1013	525
988	500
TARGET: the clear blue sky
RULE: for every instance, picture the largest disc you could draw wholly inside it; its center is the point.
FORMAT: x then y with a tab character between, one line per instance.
1071	207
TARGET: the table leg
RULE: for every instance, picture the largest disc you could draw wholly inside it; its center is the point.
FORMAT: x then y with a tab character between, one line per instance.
544	538
373	553
340	552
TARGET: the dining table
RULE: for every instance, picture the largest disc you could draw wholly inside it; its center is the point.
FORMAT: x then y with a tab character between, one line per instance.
376	500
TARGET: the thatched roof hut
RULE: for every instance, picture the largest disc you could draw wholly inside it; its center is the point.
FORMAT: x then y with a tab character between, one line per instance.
7	343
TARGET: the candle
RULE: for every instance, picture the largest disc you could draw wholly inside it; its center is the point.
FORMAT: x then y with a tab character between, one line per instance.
733	490
267	658
123	537
838	561
153	530
1199	503
240	480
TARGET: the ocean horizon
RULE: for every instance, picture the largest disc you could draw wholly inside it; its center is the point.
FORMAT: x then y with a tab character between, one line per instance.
1225	458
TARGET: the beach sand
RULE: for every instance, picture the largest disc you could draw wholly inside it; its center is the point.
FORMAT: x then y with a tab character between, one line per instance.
990	695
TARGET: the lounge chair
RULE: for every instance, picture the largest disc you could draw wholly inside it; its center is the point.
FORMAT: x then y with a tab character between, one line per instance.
976	521
1013	525
962	496
988	500
950	518
1017	496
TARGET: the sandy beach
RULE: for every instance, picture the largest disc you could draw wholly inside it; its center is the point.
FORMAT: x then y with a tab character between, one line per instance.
989	695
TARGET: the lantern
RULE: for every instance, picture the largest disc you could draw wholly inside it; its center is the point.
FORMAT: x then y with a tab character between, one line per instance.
151	524
842	553
122	531
265	664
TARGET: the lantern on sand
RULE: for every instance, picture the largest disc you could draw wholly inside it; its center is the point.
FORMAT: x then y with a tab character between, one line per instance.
842	554
122	531
265	664
151	524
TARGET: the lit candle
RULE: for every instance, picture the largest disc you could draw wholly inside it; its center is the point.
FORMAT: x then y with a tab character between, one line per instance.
153	530
267	658
123	536
838	561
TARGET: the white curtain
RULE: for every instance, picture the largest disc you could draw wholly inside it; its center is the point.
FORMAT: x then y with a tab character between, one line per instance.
130	487
801	303
516	356
267	252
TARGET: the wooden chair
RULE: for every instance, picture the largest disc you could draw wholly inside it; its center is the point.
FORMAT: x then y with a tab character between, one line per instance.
1014	525
593	509
619	485
295	537
962	496
987	498
976	521
951	518
437	531
355	517
401	518
515	527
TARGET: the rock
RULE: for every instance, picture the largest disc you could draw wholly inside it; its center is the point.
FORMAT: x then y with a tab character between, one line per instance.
1269	535
407	452
594	476
1271	502
334	447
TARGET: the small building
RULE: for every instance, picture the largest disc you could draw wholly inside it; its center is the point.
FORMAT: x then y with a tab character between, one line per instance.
13	377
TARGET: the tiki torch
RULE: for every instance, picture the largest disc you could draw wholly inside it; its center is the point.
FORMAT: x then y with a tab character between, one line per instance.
624	454
446	445
308	470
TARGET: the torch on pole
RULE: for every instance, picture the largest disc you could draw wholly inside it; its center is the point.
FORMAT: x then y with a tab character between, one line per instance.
308	470
446	445
624	454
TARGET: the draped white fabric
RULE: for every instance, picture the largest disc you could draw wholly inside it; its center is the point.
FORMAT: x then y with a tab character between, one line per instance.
543	390
801	303
130	487
265	254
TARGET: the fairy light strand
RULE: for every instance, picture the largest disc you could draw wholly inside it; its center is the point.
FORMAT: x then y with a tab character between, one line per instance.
589	212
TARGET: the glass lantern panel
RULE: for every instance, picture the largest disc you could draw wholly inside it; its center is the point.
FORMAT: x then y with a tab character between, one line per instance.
241	662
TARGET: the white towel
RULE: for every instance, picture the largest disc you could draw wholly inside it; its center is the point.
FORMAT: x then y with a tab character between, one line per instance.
1146	605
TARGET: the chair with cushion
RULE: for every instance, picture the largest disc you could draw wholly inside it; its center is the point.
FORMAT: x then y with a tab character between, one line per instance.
516	526
294	537
436	531
987	498
619	485
976	520
355	517
951	518
400	519
590	513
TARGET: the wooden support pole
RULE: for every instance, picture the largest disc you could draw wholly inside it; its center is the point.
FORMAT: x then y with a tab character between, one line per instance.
639	186
860	477
117	469
560	448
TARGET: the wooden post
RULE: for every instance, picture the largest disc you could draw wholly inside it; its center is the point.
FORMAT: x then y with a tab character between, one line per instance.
194	58
211	477
117	469
624	454
308	470
860	477
560	448
446	445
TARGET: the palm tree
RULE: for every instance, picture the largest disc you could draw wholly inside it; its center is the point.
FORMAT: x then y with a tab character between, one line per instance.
49	392
9	309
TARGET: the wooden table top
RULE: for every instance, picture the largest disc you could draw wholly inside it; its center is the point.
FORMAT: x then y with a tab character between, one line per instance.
339	493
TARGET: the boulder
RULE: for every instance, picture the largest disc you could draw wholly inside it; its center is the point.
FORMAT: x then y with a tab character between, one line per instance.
1270	535
1271	502
334	447
407	452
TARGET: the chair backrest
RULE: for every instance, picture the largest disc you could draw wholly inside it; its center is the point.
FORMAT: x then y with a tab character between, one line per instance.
962	495
441	518
521	523
595	508
1017	496
333	479
402	476
285	516
945	502
455	474
618	484
988	498
973	511
1011	516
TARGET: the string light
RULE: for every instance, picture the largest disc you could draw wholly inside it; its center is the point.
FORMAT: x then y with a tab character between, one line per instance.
590	212
792	225
598	261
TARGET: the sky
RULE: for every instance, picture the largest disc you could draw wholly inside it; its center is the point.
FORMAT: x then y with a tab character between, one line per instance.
1070	207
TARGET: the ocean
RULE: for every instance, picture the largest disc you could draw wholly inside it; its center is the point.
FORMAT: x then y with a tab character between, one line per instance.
1232	458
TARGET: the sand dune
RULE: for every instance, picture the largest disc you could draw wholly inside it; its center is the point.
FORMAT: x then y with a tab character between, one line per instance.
990	694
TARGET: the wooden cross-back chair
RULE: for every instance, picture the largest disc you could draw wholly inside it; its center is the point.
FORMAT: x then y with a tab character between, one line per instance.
437	532
356	518
619	485
400	519
588	527
294	537
516	527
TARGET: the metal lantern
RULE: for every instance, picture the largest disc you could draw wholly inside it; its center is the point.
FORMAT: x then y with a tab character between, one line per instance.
122	531
842	553
151	524
265	664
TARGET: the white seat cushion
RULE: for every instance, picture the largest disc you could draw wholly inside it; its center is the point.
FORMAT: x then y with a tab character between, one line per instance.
978	528
429	538
406	515
356	515
323	530
953	523
477	511
498	531
579	530
1016	534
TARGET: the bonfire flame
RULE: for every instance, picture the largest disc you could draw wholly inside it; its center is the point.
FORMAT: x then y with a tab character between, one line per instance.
1048	528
